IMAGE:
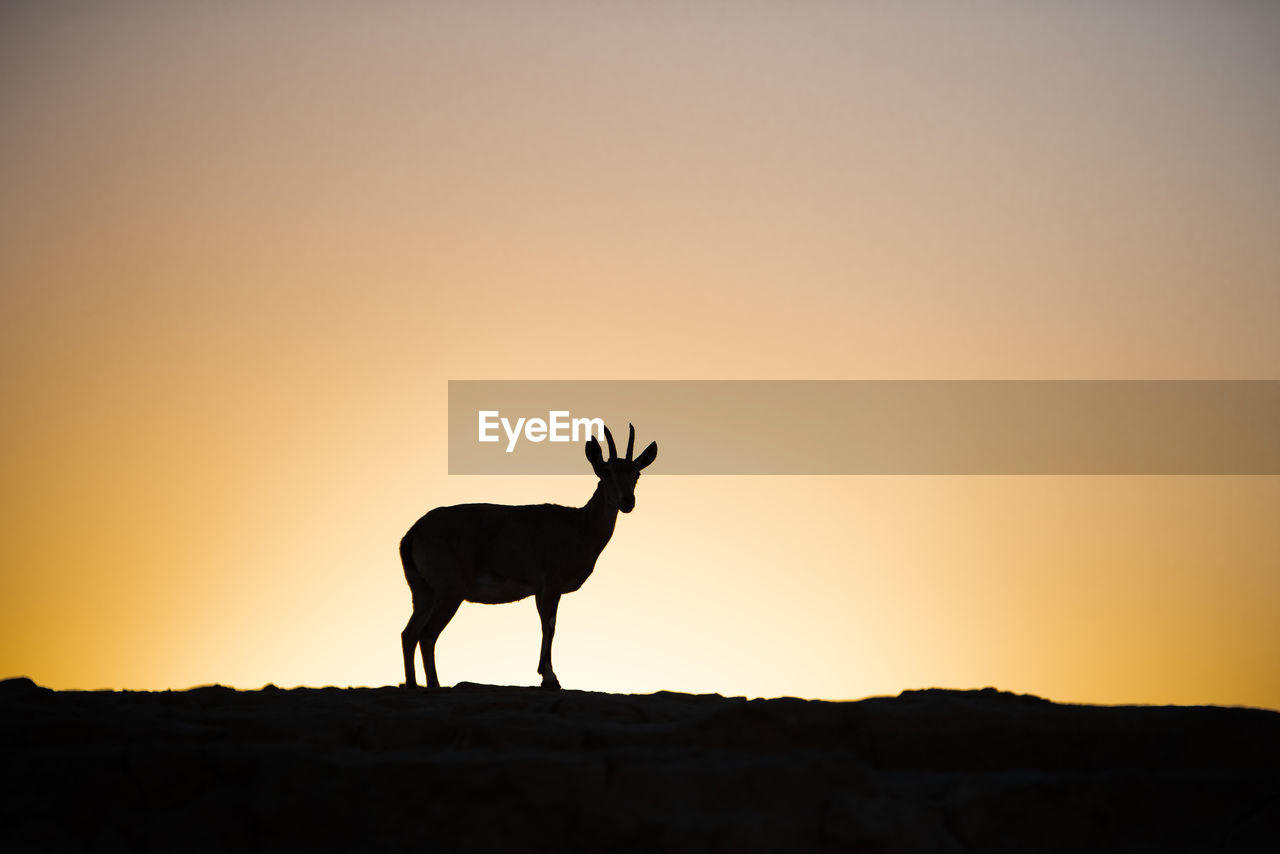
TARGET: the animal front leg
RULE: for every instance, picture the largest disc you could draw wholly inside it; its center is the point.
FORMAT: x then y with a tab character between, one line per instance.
547	604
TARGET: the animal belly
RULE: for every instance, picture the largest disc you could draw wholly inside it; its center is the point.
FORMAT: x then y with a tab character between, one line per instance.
488	590
569	585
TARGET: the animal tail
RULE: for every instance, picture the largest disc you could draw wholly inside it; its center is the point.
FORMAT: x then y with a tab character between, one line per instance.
406	558
417	584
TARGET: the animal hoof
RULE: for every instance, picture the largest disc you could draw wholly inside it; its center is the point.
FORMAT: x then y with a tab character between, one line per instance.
551	684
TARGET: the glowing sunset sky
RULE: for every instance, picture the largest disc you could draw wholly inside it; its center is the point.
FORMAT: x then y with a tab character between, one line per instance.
244	246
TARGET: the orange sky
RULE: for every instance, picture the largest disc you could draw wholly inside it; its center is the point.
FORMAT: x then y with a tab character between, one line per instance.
243	248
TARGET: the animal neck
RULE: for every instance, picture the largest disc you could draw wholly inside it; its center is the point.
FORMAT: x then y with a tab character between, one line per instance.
600	515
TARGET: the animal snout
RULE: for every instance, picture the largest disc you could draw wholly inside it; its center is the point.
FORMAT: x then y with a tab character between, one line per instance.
627	503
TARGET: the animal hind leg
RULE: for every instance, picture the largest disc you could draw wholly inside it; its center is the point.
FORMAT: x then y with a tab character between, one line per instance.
423	597
442	610
408	640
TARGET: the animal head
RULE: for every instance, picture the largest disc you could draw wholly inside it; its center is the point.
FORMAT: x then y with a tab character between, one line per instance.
619	474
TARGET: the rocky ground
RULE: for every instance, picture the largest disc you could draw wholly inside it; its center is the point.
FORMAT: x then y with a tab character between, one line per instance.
482	768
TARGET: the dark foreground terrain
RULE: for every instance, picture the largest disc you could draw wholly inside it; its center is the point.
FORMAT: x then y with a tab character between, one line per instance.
479	768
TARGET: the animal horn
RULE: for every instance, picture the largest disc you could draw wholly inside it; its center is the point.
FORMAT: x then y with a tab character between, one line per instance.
608	437
631	440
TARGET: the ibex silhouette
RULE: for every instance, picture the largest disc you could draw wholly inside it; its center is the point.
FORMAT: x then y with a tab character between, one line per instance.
494	553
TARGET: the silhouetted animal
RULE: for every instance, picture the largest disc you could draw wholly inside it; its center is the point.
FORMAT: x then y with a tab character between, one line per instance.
494	553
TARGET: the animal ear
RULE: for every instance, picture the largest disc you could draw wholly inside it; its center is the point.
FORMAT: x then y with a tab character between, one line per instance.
647	456
594	454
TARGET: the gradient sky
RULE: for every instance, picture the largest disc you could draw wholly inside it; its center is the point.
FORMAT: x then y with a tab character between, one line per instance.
244	246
